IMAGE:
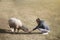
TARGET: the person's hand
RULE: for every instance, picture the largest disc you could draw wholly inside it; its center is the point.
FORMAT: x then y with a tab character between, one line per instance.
29	31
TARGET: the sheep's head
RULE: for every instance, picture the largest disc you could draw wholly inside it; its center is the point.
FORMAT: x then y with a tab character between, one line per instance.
25	29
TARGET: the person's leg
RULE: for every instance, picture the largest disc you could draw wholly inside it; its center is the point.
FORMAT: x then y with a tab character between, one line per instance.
46	27
43	31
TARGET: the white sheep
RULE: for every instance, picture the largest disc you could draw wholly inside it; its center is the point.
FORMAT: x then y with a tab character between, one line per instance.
15	23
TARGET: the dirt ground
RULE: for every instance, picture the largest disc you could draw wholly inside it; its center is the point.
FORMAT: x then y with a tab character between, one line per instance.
28	11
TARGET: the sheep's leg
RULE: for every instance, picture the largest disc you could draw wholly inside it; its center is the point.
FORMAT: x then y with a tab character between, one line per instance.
18	29
14	29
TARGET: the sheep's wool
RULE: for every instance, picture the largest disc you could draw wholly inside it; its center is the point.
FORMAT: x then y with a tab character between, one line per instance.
16	21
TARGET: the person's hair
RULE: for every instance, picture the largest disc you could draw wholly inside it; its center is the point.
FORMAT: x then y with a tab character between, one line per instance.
38	20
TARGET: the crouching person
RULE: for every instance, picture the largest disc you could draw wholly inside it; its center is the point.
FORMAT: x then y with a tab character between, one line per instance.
42	27
15	25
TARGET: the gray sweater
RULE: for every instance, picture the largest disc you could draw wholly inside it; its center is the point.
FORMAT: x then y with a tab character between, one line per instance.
42	25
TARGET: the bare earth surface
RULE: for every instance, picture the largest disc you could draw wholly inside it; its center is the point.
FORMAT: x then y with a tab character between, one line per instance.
28	11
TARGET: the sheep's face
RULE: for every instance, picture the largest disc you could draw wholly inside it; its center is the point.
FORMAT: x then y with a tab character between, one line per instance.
25	30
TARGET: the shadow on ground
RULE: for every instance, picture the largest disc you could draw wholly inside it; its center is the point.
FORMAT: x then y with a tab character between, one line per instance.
5	31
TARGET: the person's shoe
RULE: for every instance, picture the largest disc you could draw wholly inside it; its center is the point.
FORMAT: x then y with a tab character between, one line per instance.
44	33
